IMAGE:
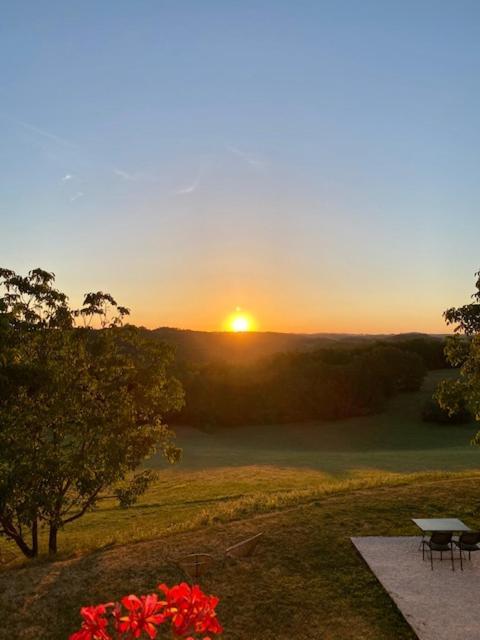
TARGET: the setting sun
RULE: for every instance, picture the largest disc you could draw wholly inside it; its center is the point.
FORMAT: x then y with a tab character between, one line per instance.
240	322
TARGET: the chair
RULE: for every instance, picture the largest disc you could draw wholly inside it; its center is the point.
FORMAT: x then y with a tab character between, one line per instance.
195	565
467	541
245	548
439	541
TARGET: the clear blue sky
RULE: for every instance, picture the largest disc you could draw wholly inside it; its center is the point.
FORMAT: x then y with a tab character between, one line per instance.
316	163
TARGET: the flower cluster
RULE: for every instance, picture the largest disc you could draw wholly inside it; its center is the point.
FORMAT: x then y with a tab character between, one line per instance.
184	610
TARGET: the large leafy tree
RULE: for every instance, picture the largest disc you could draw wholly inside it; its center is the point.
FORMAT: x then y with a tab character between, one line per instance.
463	350
80	408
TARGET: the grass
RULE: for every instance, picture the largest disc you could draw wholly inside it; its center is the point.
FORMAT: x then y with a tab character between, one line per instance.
395	440
316	484
306	581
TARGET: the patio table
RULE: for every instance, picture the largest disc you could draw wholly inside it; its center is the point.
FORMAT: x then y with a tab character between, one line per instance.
429	525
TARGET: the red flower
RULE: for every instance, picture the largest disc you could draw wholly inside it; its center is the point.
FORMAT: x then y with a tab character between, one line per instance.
190	610
187	609
94	624
144	615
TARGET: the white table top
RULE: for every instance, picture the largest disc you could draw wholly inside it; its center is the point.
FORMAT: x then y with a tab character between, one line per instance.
440	524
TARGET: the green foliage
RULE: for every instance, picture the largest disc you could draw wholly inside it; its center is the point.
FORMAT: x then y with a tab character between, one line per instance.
467	318
452	395
293	387
129	492
79	408
433	412
430	349
32	302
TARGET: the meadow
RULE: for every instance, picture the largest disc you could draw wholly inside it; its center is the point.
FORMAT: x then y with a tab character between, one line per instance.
395	440
316	483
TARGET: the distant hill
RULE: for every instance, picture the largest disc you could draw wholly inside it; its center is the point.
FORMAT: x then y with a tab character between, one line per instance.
242	348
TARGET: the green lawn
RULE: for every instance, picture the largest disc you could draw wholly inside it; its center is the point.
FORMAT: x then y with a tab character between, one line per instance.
305	582
395	440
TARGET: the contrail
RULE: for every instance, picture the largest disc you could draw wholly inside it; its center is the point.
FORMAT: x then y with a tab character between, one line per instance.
37	130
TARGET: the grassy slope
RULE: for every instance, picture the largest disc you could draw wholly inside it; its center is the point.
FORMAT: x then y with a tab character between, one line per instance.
244	469
306	580
347	475
395	440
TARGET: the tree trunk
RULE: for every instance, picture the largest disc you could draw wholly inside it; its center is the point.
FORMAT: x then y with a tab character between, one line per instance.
9	529
23	546
35	538
52	540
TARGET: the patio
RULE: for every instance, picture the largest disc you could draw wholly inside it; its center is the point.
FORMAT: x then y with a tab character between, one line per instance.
439	605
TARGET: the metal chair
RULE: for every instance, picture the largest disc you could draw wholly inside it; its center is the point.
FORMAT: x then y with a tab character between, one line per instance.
439	541
195	565
245	548
467	541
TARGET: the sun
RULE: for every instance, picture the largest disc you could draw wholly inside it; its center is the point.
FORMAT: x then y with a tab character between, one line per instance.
240	322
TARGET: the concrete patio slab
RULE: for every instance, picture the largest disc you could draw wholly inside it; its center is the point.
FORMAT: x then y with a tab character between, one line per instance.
439	605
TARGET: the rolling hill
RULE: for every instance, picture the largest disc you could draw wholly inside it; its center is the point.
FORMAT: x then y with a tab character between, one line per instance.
244	348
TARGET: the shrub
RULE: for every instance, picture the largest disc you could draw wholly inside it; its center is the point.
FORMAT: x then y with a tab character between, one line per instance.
433	412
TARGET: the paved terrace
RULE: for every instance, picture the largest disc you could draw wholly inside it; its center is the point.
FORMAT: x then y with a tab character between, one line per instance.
439	604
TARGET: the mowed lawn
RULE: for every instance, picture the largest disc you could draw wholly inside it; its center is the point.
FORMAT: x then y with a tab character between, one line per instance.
314	484
305	581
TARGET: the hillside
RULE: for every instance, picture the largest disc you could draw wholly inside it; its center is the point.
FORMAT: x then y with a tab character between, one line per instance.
242	348
394	440
316	588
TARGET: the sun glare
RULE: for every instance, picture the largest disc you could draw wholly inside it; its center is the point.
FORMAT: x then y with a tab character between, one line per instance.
240	322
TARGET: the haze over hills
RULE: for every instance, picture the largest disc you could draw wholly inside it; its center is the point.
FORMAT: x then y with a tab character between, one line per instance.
244	348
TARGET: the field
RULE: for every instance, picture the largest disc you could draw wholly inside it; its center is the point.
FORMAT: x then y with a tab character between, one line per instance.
395	440
316	484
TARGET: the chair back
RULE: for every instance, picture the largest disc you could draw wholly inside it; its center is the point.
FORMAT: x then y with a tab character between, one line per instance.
195	565
245	548
471	538
441	537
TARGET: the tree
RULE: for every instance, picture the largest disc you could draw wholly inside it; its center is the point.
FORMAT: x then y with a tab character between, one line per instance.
463	350
80	408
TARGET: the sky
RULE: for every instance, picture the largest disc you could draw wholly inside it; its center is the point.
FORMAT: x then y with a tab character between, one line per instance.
315	163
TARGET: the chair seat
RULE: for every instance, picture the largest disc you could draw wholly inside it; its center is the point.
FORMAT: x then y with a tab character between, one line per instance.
466	547
437	547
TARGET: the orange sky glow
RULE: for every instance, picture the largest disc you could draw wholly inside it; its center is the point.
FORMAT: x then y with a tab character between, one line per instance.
315	166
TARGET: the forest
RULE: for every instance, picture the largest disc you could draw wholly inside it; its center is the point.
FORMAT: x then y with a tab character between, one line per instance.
325	383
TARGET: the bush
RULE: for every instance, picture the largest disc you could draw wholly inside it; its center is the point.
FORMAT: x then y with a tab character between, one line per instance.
433	412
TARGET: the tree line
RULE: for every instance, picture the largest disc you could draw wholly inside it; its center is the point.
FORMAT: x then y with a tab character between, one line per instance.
298	386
